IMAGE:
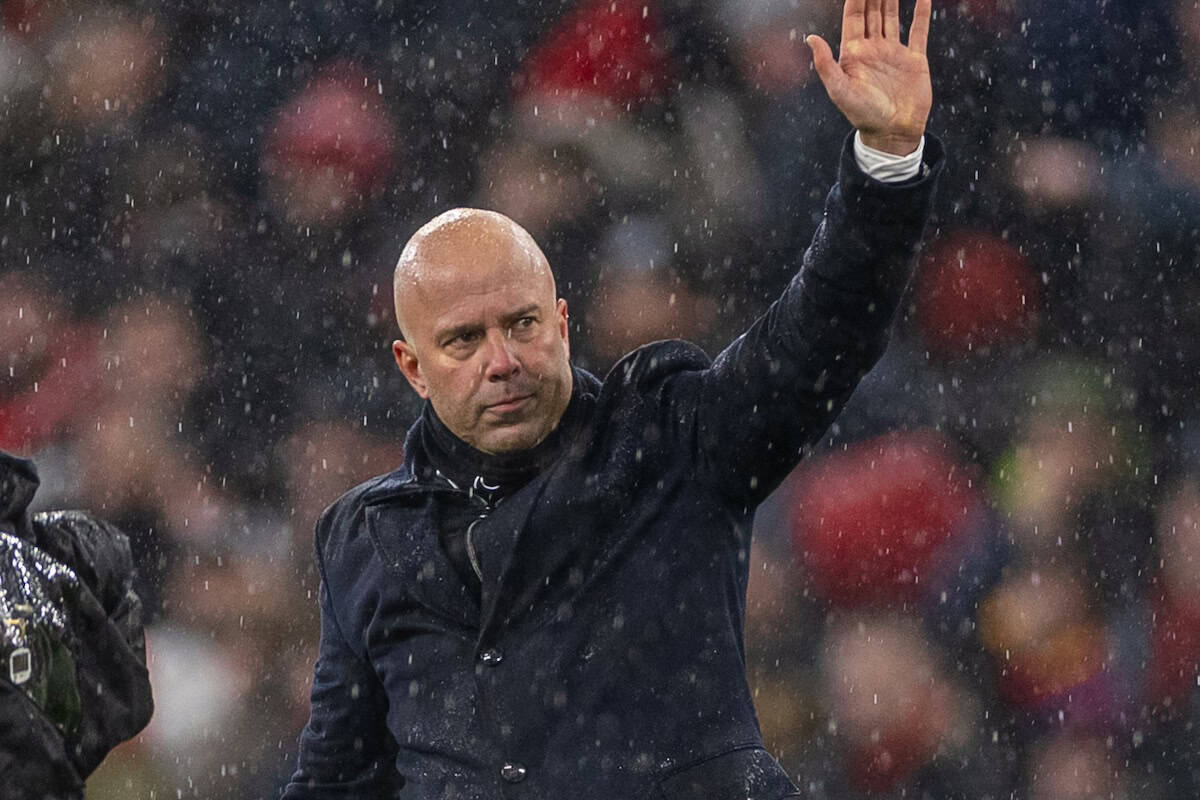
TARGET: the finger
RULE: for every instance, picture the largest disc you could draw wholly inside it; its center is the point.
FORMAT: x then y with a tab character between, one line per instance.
874	18
918	36
891	19
854	20
828	70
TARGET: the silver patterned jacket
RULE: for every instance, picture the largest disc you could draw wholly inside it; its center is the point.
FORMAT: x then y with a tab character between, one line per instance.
73	681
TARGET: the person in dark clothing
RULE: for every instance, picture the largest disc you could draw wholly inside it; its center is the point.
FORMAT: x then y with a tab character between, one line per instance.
547	598
73	680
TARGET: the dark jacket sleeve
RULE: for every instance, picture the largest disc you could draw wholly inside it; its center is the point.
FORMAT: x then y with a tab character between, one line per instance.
106	618
778	387
345	749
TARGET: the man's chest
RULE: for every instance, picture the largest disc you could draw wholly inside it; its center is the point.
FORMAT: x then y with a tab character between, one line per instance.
541	547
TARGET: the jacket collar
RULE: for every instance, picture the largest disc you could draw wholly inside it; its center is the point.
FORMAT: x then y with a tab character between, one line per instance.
400	516
414	477
401	482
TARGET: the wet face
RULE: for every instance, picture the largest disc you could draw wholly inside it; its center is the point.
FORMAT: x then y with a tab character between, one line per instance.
485	338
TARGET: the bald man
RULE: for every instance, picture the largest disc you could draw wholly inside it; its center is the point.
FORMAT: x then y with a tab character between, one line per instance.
546	600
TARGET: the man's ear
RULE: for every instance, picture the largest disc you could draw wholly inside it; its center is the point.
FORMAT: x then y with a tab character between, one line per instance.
564	324
410	366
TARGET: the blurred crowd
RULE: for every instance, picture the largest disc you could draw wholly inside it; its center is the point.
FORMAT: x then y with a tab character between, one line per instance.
984	583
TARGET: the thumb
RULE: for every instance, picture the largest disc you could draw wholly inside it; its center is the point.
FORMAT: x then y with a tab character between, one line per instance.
829	70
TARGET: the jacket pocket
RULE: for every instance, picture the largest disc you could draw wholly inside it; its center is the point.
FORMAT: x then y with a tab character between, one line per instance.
746	773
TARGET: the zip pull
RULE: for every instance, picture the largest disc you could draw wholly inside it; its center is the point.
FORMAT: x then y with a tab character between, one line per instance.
481	489
480	483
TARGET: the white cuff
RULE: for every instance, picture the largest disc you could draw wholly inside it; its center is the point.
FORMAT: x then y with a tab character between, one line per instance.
887	167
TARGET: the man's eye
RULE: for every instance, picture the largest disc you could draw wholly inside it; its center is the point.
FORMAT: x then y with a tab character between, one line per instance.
526	322
462	340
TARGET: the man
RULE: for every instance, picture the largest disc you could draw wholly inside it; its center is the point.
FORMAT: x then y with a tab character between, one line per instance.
546	600
73	680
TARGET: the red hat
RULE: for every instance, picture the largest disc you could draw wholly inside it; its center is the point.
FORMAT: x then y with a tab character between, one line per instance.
871	522
605	48
975	290
336	120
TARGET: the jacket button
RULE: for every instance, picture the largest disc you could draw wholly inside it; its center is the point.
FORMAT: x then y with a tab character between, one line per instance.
491	656
512	773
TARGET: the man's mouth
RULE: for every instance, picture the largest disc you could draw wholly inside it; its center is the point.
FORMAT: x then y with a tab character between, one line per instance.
510	405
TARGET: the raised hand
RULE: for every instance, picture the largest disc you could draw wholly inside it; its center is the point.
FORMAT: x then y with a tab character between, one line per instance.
880	84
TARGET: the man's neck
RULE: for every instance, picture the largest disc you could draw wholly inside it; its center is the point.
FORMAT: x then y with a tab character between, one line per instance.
496	474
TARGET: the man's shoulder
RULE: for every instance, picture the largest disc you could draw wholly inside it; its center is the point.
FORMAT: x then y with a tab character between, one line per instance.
342	513
649	365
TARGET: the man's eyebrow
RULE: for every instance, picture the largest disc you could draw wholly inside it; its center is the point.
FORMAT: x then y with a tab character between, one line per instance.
523	311
449	334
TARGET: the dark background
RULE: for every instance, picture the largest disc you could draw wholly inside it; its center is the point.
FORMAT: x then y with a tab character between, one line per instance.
984	583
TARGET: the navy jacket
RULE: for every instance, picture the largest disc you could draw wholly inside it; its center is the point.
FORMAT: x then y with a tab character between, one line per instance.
605	659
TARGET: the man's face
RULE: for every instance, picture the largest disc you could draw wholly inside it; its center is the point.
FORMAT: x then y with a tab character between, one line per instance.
485	338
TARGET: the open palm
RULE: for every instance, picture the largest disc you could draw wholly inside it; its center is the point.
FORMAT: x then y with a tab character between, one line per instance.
879	83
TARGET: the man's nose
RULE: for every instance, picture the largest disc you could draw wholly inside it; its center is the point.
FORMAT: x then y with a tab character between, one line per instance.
502	362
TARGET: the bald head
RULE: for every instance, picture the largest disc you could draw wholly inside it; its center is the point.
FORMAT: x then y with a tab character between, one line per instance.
459	245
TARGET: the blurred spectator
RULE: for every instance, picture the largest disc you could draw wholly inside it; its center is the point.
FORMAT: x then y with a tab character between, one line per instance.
1174	669
1049	646
48	365
321	460
1069	767
177	219
610	50
134	459
1074	481
330	149
768	40
889	700
104	67
883	522
976	292
236	623
637	297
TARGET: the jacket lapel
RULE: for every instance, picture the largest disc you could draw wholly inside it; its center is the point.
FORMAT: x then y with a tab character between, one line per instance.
403	528
517	562
496	543
550	545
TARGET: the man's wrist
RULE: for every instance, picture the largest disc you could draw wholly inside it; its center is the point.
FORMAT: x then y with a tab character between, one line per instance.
893	145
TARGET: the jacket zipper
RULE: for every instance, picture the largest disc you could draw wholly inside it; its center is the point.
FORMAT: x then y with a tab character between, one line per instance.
472	553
